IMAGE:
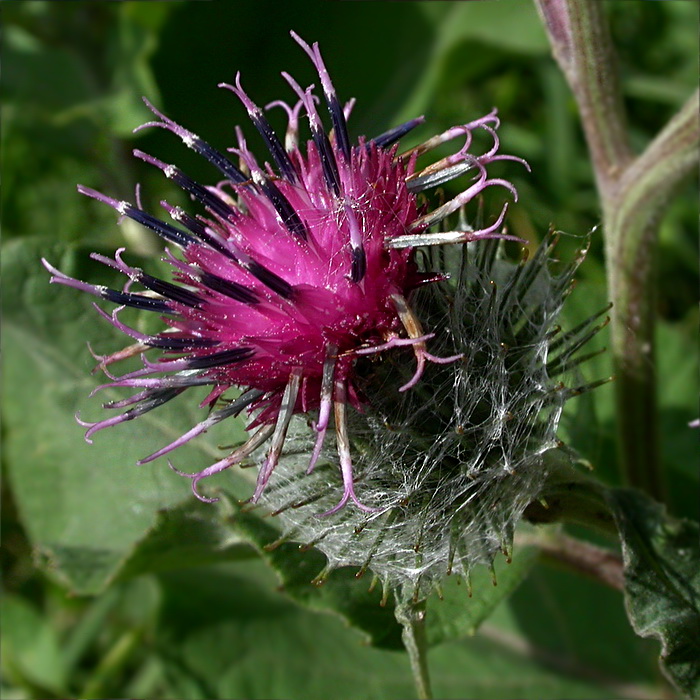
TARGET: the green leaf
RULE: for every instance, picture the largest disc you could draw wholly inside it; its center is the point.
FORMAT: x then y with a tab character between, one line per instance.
63	133
226	633
518	30
31	653
110	521
84	507
188	535
136	40
576	629
467	32
662	582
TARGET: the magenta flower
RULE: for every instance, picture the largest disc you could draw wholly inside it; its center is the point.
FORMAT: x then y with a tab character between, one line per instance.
293	270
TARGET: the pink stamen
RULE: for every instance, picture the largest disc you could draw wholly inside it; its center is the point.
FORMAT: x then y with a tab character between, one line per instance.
341	429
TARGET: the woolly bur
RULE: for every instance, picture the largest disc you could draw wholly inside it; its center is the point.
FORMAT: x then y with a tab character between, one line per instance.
454	463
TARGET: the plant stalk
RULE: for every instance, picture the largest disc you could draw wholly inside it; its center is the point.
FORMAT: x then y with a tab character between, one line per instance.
632	213
634	191
411	616
112	663
582	557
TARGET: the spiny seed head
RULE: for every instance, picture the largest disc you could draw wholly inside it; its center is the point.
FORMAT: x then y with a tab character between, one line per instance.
291	272
452	464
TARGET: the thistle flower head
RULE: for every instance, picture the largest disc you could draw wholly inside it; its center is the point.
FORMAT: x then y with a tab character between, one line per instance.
292	271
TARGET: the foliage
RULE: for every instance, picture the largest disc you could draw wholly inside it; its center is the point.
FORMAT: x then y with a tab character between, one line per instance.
663	582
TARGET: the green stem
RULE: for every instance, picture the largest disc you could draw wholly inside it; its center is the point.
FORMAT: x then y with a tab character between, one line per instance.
411	616
634	193
632	214
112	663
83	634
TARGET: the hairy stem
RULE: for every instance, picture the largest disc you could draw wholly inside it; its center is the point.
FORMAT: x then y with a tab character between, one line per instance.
634	192
411	616
583	48
632	214
585	558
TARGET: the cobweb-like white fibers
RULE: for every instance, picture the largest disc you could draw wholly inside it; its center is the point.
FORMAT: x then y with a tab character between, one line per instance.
453	462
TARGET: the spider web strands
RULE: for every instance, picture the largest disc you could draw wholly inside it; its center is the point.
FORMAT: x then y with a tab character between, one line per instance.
481	461
315	496
377	542
296	503
343	444
415	332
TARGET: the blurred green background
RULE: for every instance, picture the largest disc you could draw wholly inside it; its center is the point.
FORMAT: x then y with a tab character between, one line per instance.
92	606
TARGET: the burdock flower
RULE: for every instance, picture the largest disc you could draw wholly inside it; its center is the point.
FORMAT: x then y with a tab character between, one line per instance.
293	271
